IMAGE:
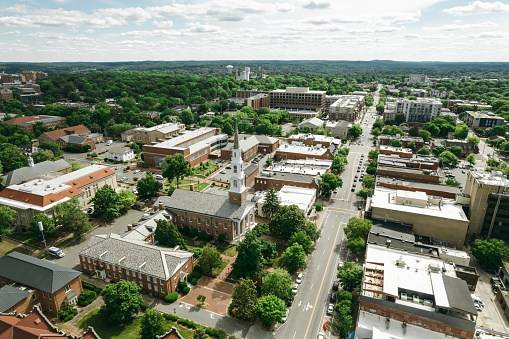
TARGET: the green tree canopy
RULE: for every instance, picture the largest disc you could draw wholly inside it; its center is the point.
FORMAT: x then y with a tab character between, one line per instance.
474	139
168	235
126	199
6	218
278	283
47	223
210	258
350	275
271	204
152	324
471	159
395	143
287	221
122	300
425	135
176	167
244	299
12	157
355	131
53	147
250	261
148	187
302	239
270	309
106	204
71	218
447	158
294	257
329	182
424	151
368	181
357	228
490	252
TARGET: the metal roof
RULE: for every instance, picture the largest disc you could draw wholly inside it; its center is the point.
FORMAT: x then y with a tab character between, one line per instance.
10	296
26	173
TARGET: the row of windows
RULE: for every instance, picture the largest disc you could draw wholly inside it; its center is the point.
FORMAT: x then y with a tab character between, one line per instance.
207	222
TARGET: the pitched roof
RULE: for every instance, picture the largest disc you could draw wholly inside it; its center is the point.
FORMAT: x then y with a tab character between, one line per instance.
172	334
205	203
458	294
36	273
10	296
19	120
66	131
20	175
74	139
119	150
136	255
33	326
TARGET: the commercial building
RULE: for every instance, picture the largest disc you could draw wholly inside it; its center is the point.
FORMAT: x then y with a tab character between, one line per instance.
153	134
408	174
489	204
42	195
29	96
421	79
338	129
215	214
298	151
313	140
121	154
466	147
454	104
303	198
33	171
406	295
384	139
346	107
33	75
247	93
301	114
250	145
423	162
312	123
28	122
418	111
483	120
38	282
444	191
278	180
155	269
258	101
297	97
399	151
433	216
195	145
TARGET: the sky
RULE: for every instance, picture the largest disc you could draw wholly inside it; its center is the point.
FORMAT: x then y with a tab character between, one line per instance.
129	30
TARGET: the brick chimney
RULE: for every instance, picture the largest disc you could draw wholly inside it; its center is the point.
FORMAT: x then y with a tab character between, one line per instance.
129	227
161	205
191	187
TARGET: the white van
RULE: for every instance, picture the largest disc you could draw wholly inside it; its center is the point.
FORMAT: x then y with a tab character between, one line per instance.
477	299
109	142
56	252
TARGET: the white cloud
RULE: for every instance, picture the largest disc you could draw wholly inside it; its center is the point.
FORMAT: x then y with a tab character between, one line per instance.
12	33
458	27
163	24
478	7
197	27
316	4
90	30
489	35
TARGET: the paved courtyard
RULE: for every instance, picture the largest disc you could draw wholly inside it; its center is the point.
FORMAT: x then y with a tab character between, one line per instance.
218	294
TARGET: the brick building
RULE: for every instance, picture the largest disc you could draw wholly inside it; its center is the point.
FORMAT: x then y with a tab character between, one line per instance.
409	174
258	101
79	130
297	98
6	94
423	162
277	180
250	145
153	268
29	96
313	140
346	107
444	191
195	145
399	151
153	134
37	282
27	122
384	139
466	147
295	152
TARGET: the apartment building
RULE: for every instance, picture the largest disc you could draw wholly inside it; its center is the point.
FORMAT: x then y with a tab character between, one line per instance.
153	134
407	295
489	204
313	140
30	281
297	98
155	269
6	94
347	107
418	111
258	101
195	145
248	93
442	219
42	195
483	120
418	79
121	154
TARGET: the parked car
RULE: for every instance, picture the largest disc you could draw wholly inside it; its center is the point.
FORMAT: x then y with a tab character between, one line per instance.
333	297
135	191
159	177
295	289
320	336
228	167
299	278
283	320
290	302
136	171
340	264
223	172
330	309
56	252
124	179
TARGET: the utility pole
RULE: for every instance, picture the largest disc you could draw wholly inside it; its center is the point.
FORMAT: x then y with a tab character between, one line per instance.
41	228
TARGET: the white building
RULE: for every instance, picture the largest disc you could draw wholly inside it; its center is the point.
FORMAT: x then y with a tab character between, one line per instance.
418	79
121	154
420	110
338	129
312	123
303	198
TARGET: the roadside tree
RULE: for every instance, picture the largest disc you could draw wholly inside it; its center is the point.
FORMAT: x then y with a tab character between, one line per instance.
328	183
278	283
106	204
294	257
270	309
302	239
490	252
250	261
471	159
244	299
148	187
287	221
47	222
71	218
350	275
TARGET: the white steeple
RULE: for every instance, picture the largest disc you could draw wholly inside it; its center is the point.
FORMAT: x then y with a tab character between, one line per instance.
237	180
30	161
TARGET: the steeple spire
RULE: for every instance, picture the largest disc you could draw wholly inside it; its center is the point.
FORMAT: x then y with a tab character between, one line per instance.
236	137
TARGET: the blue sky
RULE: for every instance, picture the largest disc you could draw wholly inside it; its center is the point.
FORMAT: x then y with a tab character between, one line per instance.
111	30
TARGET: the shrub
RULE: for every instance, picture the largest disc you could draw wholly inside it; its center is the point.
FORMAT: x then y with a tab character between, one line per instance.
232	337
209	237
318	207
185	230
170	317
196	252
67	312
171	298
182	285
143	308
195	275
198	269
186	290
215	333
91	287
193	232
186	322
221	238
202	235
86	297
194	281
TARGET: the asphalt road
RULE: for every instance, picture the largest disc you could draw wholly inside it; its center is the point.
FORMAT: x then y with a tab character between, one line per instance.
308	312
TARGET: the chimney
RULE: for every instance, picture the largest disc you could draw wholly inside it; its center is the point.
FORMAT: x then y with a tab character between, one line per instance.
129	227
161	205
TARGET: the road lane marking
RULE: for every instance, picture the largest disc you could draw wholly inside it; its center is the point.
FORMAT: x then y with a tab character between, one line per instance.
321	285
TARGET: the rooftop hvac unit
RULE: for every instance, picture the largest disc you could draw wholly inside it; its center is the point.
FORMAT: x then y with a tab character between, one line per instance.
416	299
434	267
428	303
403	296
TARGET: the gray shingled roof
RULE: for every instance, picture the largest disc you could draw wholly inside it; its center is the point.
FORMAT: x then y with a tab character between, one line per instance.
26	173
36	273
74	139
10	296
157	261
205	203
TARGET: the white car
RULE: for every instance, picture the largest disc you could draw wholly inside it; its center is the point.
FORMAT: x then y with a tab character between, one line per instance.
124	179
299	278
135	191
330	309
283	320
295	289
159	177
136	171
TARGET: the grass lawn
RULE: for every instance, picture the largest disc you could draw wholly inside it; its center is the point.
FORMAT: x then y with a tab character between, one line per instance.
198	188
28	237
228	249
181	182
6	248
191	242
129	330
201	172
218	270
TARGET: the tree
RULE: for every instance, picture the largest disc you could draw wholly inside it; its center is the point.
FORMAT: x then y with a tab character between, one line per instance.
176	167
456	150
53	147
357	228
244	299
271	204
47	223
302	239
294	257
350	275
6	217
373	154
461	131
71	218
41	156
168	235
425	135
413	131
278	283
380	108
379	123
148	186
38	128
452	182
365	193
122	300
250	259
343	314
339	163
395	143
152	324
368	181
287	221
490	252
355	131
76	166
210	258
12	157
106	204
447	158
471	159
356	245
311	230
126	199
424	151
269	309
200	333
498	130
329	182
474	140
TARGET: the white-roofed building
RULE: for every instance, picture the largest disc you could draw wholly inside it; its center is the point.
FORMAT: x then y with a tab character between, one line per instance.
311	123
298	151
121	154
153	134
303	198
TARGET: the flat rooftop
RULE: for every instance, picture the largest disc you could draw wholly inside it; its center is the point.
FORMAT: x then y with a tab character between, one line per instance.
292	195
315	137
297	177
385	198
396	149
186	139
493	178
419	185
302	149
298	90
408	170
163	128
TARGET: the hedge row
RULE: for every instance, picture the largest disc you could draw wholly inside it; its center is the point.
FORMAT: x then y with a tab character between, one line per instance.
91	287
191	324
86	297
172	297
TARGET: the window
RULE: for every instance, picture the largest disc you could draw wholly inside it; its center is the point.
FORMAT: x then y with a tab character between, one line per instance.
33	296
190	219
215	223
49	296
43	295
199	220
199	229
181	217
235	169
67	288
109	274
162	290
208	231
115	275
49	308
224	226
207	222
234	183
217	233
149	286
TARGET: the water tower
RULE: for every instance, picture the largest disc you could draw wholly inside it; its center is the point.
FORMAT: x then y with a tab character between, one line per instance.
229	69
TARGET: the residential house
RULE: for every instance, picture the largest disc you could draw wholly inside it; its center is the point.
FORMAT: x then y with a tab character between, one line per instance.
121	154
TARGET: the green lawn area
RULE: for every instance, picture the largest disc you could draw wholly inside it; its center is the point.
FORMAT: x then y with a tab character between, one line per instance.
6	248
131	329
198	188
181	182
28	237
228	249
217	271
201	172
191	242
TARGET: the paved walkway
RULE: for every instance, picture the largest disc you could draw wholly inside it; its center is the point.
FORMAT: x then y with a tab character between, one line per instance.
224	274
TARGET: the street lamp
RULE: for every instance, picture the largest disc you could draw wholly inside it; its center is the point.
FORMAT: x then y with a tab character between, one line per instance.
41	228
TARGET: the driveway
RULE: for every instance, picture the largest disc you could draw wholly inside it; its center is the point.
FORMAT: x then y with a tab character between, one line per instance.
119	225
218	294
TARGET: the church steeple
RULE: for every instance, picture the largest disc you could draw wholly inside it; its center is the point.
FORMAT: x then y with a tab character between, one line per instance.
238	187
